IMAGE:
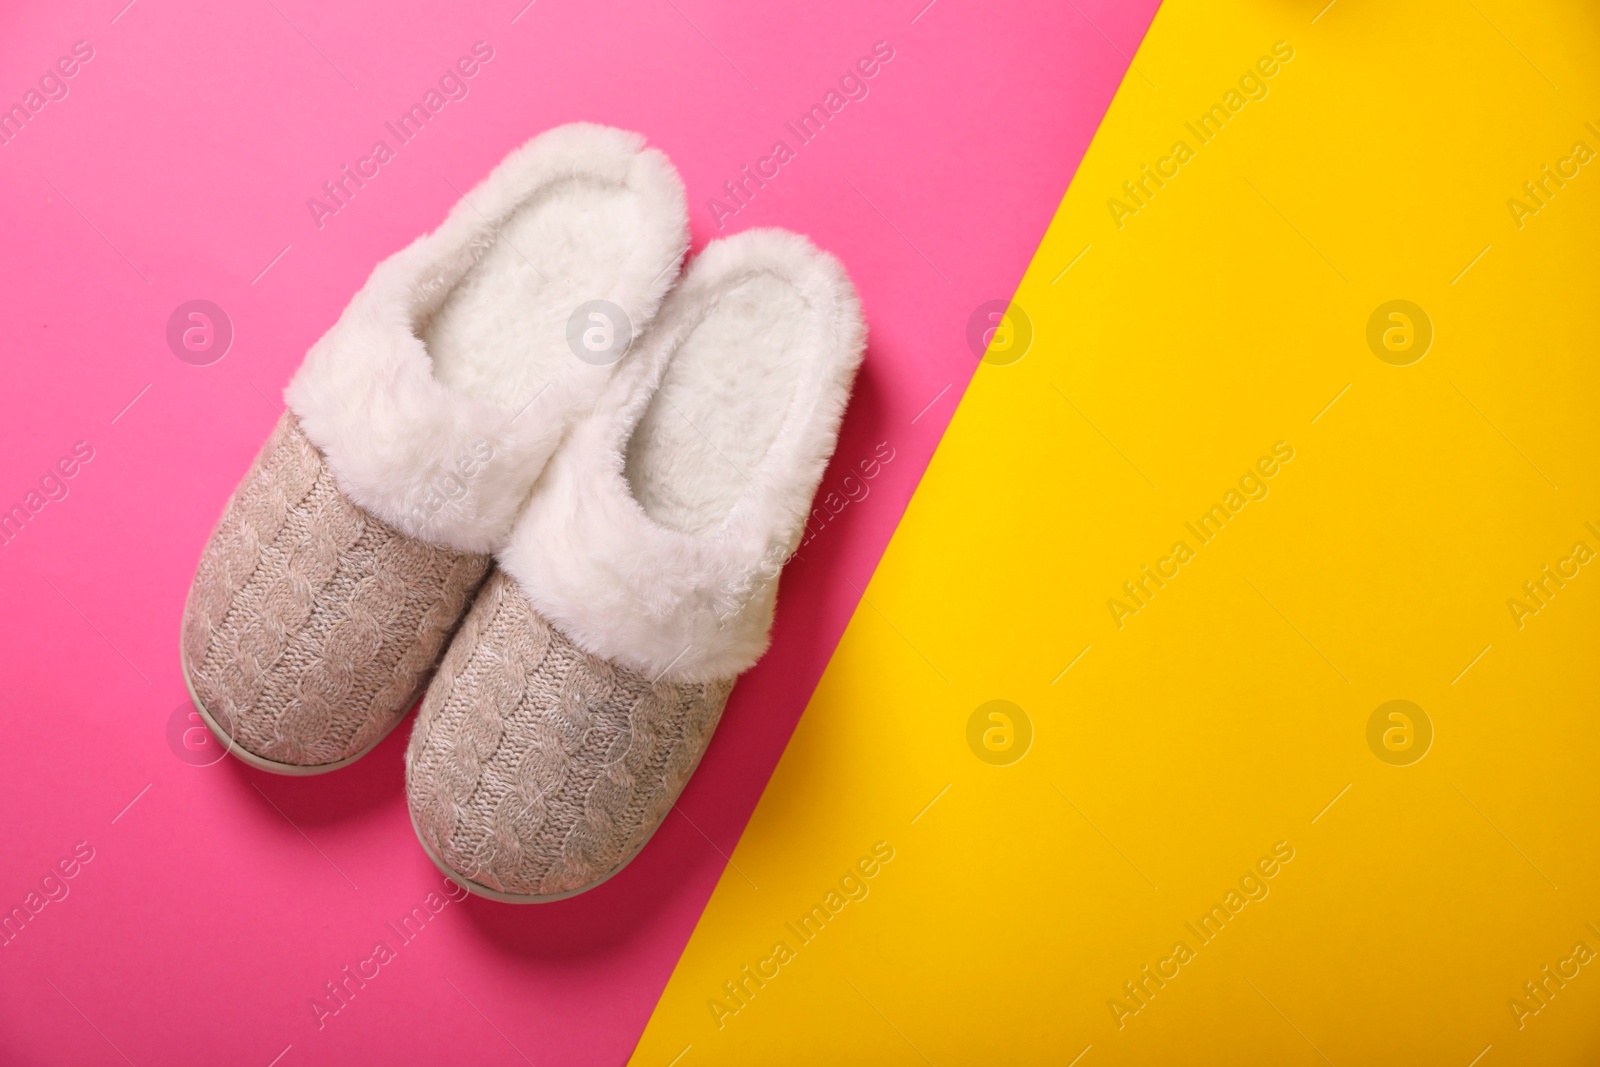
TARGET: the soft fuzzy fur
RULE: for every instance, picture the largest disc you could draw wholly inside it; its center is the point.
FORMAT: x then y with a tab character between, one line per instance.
443	388
656	542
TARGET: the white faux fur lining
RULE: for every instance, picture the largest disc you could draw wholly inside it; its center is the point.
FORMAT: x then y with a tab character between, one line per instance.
671	603
444	442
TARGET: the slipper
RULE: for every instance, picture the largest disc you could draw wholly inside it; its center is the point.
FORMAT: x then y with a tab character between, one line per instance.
583	686
415	429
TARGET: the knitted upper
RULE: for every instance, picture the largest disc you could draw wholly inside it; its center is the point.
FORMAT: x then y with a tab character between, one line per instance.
536	769
311	626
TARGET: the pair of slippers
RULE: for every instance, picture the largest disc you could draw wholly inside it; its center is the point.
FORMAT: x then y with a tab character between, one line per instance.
536	478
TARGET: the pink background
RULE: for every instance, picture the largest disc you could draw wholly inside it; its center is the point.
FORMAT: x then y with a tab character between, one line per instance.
177	168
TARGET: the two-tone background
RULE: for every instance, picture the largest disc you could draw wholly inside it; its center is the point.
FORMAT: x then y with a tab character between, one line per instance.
1223	689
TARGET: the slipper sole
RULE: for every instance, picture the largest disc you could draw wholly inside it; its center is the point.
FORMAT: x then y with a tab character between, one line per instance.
479	889
261	763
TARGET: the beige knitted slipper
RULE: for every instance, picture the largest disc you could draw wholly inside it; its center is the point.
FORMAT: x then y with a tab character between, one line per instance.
586	681
416	428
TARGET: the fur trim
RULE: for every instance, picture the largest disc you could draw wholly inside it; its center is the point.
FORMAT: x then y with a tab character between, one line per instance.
632	543
447	382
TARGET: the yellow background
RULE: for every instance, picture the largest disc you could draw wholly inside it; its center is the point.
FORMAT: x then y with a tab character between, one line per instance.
1229	712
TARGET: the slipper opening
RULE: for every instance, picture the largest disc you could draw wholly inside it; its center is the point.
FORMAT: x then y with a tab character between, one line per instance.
501	334
722	401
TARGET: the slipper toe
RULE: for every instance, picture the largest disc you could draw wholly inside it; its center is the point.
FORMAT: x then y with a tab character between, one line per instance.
536	770
312	626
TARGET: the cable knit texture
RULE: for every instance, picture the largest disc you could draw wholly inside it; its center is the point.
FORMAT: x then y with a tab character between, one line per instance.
311	625
536	769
